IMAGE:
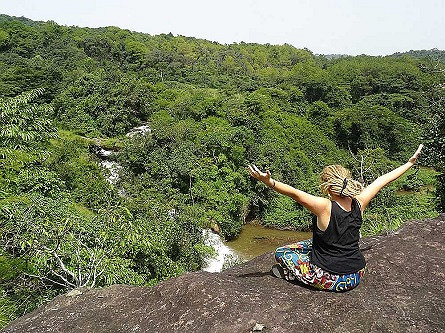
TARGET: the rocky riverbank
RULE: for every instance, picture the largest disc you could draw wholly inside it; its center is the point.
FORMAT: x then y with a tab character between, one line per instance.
402	291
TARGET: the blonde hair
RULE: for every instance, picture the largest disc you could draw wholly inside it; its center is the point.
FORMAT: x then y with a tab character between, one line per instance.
338	179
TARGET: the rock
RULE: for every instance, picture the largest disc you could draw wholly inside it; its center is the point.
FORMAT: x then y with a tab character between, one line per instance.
74	292
258	327
215	228
403	290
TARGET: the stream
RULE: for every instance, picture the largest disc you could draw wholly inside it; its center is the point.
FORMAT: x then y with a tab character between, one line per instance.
253	240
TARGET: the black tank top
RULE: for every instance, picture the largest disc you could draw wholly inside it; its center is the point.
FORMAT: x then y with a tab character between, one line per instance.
336	249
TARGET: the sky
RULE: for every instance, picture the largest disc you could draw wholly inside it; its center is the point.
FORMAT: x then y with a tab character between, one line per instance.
374	27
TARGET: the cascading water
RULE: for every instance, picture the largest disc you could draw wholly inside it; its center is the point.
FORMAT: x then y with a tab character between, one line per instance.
143	130
224	257
111	166
114	167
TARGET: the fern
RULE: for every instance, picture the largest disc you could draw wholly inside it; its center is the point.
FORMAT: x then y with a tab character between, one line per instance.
24	124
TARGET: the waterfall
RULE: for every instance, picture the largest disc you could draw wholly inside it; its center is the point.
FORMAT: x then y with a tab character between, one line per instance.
225	257
142	130
114	167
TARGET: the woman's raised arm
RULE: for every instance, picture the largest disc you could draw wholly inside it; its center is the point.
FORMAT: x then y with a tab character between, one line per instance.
370	191
316	205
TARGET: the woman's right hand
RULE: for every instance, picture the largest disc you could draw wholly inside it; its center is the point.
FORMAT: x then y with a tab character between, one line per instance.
261	176
413	158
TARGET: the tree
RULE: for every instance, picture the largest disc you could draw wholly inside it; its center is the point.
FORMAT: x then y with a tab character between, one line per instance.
435	131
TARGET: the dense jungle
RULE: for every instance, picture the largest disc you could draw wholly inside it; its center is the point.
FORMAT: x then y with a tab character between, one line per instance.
211	109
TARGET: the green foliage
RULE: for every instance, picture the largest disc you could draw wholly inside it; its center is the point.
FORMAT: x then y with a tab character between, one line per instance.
83	176
434	135
413	183
365	127
24	125
63	243
389	211
440	191
284	213
7	309
412	196
99	104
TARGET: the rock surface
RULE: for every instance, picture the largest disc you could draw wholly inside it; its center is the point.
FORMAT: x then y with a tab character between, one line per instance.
403	290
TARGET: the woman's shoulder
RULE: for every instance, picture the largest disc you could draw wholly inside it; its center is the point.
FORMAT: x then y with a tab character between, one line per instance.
322	220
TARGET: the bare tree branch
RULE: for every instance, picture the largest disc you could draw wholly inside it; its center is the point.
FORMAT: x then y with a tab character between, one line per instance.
64	279
61	264
45	278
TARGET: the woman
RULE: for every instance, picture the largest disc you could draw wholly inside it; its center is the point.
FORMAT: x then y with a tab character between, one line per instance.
331	260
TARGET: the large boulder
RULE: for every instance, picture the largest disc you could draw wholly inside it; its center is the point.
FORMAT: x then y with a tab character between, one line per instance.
403	290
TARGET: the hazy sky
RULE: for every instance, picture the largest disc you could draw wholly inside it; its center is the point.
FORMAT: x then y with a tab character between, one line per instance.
375	27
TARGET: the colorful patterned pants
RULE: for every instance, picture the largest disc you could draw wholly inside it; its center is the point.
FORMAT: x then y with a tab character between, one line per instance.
295	260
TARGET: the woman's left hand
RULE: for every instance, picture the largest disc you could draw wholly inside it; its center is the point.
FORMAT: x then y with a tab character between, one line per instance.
262	176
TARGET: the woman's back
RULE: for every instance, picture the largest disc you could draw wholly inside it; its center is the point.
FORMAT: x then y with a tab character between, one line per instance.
336	249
